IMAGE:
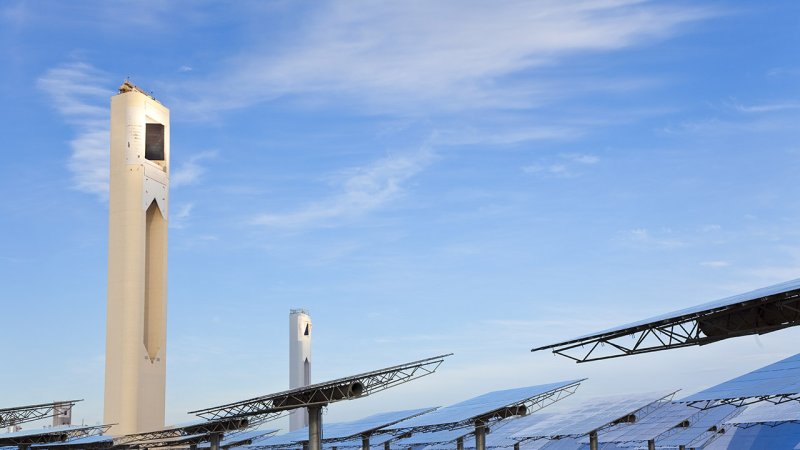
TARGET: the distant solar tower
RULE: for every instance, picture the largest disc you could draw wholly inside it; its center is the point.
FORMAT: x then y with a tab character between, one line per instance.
299	361
136	321
62	415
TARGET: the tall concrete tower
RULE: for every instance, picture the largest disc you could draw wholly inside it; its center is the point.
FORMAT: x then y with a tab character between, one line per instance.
136	322
299	361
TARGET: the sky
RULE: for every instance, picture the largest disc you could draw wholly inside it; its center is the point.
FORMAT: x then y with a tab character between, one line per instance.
424	177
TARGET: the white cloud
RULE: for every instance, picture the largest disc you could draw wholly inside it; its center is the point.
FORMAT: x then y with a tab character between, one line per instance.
710	228
363	190
505	135
715	264
766	107
77	91
398	56
641	237
558	170
191	171
565	167
179	217
582	158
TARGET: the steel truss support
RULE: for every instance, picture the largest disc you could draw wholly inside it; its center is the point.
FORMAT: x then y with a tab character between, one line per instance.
744	401
50	436
524	407
210	428
23	414
325	393
759	316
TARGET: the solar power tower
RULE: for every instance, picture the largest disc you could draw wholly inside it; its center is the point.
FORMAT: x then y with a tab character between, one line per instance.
136	322
756	312
299	361
485	410
316	396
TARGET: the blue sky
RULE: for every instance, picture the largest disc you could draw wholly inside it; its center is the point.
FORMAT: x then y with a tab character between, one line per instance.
425	177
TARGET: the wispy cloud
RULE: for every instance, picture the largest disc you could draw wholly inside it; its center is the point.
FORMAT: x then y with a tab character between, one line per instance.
715	264
179	217
559	170
506	135
392	56
364	189
565	166
765	107
582	158
641	237
191	171
783	72
711	228
78	92
719	127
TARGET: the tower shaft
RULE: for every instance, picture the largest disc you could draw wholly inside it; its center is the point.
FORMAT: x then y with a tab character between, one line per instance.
299	361
136	322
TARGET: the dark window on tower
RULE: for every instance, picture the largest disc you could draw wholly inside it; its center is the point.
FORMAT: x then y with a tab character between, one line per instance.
154	142
307	332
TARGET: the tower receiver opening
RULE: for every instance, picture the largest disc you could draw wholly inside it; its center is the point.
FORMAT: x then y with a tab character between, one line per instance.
154	142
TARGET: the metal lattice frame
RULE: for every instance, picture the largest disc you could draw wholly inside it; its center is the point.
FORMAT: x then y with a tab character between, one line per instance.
47	437
523	407
744	401
704	437
30	413
643	412
699	328
207	428
376	430
467	433
178	441
324	393
233	441
647	409
771	424
77	445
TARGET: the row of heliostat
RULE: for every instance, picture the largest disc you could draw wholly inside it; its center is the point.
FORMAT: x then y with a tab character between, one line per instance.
628	419
711	418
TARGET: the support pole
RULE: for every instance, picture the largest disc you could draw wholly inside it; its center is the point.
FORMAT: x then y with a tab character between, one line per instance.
593	441
681	447
460	443
193	447
480	435
364	442
314	427
516	445
214	440
387	445
651	444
